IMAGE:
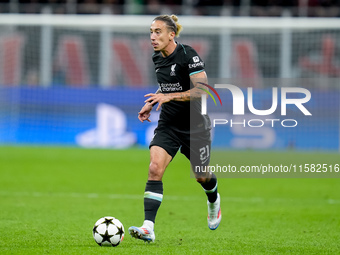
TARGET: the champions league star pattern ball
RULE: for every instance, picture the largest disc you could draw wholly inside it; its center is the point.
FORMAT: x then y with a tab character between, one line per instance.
108	231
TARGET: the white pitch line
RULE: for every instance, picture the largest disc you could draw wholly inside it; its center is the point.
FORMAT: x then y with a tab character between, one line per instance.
333	201
255	200
117	196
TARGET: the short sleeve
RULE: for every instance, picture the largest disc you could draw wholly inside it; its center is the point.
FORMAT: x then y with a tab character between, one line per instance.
195	63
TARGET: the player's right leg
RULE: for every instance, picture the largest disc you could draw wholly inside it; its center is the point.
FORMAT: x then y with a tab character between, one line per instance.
153	195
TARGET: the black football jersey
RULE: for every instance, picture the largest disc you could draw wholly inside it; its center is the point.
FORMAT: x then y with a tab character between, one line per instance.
173	75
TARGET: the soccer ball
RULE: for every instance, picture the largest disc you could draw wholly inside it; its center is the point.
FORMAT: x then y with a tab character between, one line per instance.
108	231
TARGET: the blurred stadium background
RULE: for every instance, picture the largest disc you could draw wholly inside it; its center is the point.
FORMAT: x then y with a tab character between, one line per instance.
75	72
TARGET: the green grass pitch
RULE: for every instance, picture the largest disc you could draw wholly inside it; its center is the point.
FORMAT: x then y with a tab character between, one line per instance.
50	198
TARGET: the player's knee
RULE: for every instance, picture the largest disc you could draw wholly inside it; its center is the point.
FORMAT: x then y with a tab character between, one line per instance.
201	179
155	171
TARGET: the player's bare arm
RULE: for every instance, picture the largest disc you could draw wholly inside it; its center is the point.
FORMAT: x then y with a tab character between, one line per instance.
194	93
145	112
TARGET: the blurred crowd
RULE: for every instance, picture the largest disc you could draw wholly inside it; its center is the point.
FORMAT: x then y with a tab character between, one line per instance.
299	8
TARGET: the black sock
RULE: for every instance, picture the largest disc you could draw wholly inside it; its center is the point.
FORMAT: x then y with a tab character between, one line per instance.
153	196
210	188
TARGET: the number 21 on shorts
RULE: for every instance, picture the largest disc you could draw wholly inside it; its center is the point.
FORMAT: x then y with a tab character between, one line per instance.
204	154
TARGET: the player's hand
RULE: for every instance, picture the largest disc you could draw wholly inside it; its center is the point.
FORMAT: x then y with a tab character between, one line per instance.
144	113
157	98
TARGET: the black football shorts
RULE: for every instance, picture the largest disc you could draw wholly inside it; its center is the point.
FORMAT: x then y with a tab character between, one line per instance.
196	147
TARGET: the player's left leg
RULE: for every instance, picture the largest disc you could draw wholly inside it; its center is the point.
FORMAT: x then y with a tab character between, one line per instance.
209	185
198	151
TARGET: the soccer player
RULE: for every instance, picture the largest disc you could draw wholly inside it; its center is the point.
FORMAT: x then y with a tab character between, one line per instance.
181	126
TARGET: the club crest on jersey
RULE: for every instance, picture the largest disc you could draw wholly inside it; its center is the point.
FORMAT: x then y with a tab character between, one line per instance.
172	73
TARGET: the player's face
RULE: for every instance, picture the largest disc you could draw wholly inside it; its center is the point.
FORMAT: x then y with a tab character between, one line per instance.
160	35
